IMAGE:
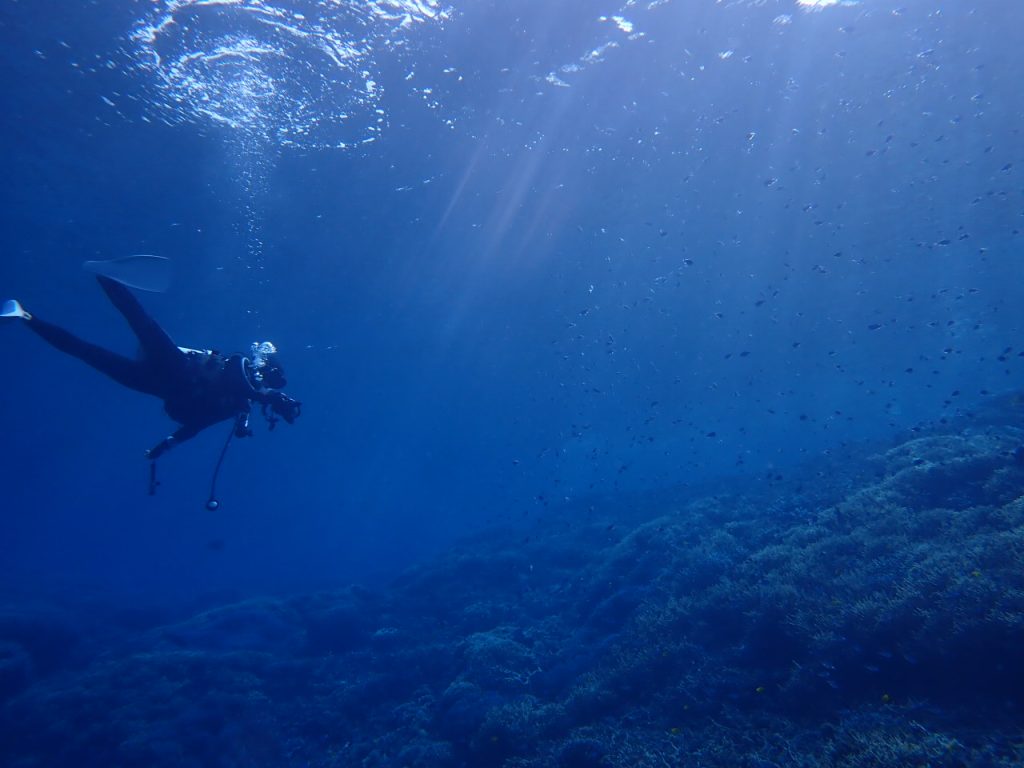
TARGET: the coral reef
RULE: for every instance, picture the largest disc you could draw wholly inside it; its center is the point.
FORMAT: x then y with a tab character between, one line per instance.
867	615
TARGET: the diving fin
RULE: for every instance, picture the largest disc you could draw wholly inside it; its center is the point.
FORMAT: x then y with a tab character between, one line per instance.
145	272
12	308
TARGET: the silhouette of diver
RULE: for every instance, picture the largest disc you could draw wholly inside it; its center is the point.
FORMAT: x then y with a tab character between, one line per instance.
199	388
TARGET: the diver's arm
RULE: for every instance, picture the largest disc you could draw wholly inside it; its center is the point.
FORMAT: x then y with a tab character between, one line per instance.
181	435
241	429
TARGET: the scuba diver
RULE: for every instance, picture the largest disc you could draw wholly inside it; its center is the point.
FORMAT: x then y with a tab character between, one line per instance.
199	388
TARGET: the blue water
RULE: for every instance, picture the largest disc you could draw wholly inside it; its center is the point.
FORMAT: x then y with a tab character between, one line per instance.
535	270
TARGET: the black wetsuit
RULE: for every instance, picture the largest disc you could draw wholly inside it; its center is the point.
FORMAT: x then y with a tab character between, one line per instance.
199	388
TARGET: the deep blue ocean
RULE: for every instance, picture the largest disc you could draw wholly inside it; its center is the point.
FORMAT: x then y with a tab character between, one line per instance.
660	365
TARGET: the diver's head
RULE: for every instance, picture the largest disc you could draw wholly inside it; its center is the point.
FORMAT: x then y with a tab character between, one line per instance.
266	370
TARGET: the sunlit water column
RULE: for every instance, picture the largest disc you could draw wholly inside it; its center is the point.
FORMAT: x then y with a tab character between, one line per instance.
271	75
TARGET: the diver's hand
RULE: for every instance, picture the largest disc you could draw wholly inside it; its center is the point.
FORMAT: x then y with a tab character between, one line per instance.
286	407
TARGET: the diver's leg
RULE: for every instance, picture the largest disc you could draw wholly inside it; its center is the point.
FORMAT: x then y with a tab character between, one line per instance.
157	346
125	371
